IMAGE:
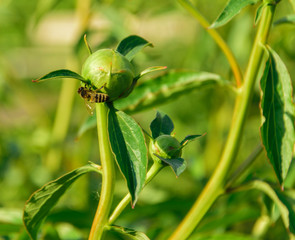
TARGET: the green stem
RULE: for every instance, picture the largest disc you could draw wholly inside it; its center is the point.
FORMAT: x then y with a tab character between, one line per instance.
108	174
218	39
216	185
154	170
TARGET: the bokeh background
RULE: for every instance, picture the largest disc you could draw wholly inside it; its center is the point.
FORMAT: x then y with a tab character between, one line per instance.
39	123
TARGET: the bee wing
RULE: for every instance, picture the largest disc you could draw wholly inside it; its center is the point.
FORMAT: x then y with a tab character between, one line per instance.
90	106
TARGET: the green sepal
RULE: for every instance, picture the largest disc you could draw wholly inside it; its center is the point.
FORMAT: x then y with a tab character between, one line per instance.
178	165
87	45
189	138
131	45
43	200
149	70
161	125
62	73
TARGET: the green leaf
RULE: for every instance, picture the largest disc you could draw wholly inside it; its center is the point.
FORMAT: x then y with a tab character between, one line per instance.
62	73
285	208
130	233
128	146
161	125
286	19
278	114
44	199
165	88
232	8
178	165
189	138
132	45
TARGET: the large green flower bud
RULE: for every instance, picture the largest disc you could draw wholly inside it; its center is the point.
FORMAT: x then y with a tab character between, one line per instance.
109	71
165	146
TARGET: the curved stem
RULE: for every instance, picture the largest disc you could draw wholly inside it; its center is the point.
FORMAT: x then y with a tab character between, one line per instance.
108	174
156	167
215	186
218	39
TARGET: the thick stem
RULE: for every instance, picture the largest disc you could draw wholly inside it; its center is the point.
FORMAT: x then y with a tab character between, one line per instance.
218	39
216	184
108	174
156	167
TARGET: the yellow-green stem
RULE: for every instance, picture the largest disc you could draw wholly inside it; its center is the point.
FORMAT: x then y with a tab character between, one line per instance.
215	186
218	39
108	174
156	167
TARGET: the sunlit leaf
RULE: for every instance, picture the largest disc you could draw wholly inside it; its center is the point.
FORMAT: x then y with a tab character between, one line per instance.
286	19
162	124
43	200
62	73
165	88
131	45
129	233
278	113
232	8
129	148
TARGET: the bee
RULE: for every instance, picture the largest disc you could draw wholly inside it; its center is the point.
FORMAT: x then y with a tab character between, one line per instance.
92	96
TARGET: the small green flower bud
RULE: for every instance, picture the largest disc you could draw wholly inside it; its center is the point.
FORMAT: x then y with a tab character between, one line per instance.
165	146
109	71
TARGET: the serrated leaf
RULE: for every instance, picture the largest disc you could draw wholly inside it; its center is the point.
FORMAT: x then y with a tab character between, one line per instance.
130	233
189	138
162	124
286	19
232	8
178	165
165	88
131	45
128	146
62	73
286	210
43	200
278	113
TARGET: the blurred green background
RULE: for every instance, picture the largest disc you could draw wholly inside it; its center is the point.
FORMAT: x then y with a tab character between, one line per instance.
38	127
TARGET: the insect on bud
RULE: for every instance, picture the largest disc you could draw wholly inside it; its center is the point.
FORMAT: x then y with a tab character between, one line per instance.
165	146
110	72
